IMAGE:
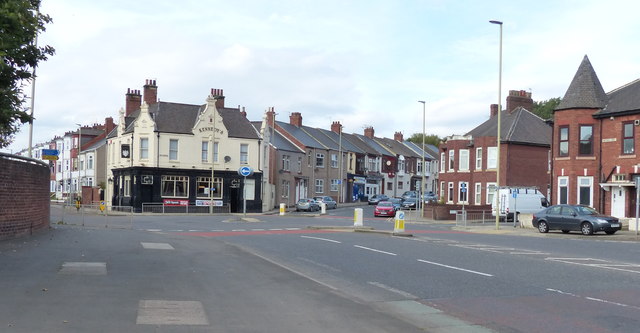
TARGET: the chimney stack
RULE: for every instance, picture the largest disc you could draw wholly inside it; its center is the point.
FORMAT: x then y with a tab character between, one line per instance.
295	119
519	98
150	92
336	127
218	95
493	110
271	116
243	112
369	132
108	125
133	99
398	136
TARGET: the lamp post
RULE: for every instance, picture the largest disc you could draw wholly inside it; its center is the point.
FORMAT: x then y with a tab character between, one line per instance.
340	194
422	182
497	192
78	159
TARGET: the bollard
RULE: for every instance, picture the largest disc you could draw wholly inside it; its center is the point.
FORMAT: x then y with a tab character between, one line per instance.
323	208
282	209
398	226
357	217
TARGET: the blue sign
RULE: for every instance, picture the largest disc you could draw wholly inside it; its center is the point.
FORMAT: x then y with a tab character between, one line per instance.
515	194
50	152
245	171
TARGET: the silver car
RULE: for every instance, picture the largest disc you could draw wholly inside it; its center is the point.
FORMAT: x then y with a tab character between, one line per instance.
308	205
331	204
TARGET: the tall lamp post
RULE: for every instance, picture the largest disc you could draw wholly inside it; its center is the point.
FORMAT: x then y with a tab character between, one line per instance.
422	182
497	192
78	186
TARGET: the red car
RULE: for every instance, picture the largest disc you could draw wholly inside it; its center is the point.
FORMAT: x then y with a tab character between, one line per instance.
384	208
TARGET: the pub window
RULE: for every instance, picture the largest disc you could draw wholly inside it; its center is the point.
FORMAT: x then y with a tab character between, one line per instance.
204	185
175	186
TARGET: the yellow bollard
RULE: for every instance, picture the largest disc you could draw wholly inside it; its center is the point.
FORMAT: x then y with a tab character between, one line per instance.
282	209
357	217
398	226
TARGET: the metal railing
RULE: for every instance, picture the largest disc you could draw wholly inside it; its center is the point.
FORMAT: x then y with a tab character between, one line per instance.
159	208
464	217
97	216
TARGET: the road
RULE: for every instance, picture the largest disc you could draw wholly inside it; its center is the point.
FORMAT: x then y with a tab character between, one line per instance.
274	274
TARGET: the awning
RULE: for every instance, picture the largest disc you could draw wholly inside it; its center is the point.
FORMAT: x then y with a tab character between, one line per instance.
608	186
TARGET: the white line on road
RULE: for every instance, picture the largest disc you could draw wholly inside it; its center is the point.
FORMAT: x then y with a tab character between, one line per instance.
374	250
154	230
593	299
292	229
238	230
257	229
275	229
453	267
393	290
194	230
322	239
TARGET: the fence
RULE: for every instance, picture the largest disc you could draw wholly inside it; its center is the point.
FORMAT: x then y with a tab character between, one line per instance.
158	208
465	217
117	217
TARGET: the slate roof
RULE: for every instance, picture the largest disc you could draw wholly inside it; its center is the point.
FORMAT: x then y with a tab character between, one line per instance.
585	90
625	99
325	140
379	149
418	148
354	140
397	147
519	126
180	118
301	135
278	140
346	144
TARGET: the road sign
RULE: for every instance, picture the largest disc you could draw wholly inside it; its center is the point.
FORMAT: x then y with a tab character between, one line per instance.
50	152
245	171
463	187
514	194
49	157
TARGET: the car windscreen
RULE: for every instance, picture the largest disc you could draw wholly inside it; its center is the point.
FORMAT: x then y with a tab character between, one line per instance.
584	210
385	204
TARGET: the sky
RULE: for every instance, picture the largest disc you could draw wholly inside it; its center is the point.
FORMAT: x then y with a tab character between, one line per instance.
362	63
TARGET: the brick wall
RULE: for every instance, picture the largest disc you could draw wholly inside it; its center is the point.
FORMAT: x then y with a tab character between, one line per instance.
24	197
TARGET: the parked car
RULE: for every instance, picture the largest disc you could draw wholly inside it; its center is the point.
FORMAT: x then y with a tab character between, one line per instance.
575	218
397	203
429	197
377	198
384	208
409	203
308	205
331	204
409	194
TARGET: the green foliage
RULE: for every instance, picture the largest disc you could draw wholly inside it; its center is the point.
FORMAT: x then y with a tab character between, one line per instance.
544	109
430	139
20	23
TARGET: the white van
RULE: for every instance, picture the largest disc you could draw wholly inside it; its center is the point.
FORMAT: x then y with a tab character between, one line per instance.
518	199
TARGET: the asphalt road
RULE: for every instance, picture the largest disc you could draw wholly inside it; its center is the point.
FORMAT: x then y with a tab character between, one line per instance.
271	273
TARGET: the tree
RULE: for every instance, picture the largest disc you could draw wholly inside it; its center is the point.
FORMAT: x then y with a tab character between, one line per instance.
20	23
430	139
544	109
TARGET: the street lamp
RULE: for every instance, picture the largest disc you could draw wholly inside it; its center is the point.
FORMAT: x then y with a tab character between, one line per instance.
497	192
78	187
340	194
422	182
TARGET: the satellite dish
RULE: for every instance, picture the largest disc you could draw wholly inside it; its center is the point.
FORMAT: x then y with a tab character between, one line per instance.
227	159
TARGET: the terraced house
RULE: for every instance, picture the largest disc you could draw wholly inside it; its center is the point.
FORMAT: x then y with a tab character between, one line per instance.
595	162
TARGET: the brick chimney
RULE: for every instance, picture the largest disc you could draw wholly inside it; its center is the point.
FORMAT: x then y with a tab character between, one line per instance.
493	111
295	119
150	92
335	127
108	125
398	136
218	94
133	99
518	98
369	132
243	112
271	116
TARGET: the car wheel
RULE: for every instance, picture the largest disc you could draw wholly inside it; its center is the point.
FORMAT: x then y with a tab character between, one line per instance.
543	227
587	228
565	231
611	232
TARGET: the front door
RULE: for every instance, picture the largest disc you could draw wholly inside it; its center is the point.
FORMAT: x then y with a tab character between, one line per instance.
618	195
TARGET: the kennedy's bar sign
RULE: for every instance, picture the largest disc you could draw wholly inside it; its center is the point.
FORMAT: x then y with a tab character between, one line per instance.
125	151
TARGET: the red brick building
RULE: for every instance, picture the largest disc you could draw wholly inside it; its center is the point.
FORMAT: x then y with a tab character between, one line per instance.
469	161
595	135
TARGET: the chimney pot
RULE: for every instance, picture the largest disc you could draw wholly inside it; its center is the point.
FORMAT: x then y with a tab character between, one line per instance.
369	132
295	119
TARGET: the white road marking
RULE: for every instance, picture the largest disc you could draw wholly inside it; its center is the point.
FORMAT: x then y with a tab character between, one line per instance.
292	228
374	250
257	229
238	230
453	267
217	230
594	299
322	239
275	229
393	290
194	230
157	246
154	229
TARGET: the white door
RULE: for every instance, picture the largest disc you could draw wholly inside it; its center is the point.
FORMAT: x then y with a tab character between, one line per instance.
618	201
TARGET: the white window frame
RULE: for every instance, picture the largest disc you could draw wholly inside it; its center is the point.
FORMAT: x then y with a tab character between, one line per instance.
335	185
286	162
319	160
492	157
319	185
490	193
442	189
127	186
479	158
452	159
244	153
144	148
334	161
442	162
204	155
563	181
478	194
463	162
173	149
285	189
589	184
175	180
202	182
450	192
